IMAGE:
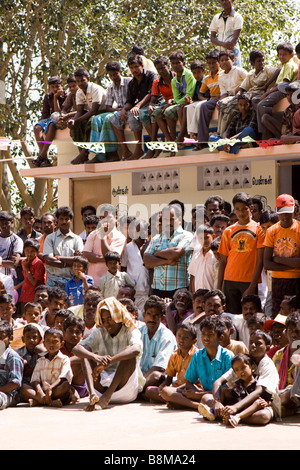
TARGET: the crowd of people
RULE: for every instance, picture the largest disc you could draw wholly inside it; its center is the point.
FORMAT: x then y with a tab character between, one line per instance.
201	315
161	92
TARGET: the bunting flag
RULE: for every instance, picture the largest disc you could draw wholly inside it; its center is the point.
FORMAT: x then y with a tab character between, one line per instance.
213	145
96	147
167	146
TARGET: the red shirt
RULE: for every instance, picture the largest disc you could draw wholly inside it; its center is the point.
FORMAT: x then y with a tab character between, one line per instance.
160	88
37	270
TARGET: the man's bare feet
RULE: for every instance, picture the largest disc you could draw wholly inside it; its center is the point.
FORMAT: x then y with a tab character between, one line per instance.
79	160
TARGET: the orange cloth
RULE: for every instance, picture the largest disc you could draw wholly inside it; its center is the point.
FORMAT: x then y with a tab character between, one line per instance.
240	243
178	365
285	242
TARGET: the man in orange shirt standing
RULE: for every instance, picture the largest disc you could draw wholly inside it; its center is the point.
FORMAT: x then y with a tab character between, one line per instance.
282	252
241	250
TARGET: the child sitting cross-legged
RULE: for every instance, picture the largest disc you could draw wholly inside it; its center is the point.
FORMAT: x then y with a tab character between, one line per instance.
186	337
244	367
52	375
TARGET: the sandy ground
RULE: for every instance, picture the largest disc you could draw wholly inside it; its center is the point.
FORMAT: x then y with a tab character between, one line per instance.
135	427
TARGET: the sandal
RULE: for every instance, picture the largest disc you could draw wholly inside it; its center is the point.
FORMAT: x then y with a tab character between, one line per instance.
234	420
46	162
206	412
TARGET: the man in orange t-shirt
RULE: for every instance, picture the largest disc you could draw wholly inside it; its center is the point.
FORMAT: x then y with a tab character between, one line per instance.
282	252
241	255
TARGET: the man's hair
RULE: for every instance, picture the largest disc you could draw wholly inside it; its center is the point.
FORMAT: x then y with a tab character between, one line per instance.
92	295
135	59
268	216
214	293
162	60
129	304
57	293
257	201
187	293
294	302
64	210
81	72
228	53
110	208
112	256
82	260
297	48
128	286
138	49
258	317
254	299
6	299
175	207
41	287
6	328
199	293
32	243
256	54
113	66
285	46
73	320
155	302
27	210
214	246
189	328
5	215
293	319
63	312
266	338
176	202
219	218
54	332
91	219
32	305
88	208
215	198
71	79
54	80
47	214
212	55
205	228
242	197
197	64
177	55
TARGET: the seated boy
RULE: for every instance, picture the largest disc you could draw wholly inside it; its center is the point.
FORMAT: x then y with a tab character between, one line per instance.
73	330
57	300
183	87
226	330
90	101
283	129
11	368
241	250
102	130
186	336
258	80
229	83
7	310
158	342
80	281
110	282
211	84
52	375
45	129
288	73
243	124
267	381
206	366
187	111
138	97
161	88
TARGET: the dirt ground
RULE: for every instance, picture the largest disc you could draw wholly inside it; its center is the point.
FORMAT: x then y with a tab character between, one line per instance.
135	427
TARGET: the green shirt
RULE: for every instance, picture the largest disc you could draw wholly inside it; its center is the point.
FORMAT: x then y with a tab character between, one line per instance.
184	87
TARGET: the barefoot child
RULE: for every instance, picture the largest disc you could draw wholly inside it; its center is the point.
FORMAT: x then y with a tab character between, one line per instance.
52	375
186	337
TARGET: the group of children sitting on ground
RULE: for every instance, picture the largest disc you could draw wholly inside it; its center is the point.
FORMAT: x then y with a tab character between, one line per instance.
158	94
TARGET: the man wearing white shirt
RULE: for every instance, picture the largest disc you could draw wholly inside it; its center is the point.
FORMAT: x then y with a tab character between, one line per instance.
90	101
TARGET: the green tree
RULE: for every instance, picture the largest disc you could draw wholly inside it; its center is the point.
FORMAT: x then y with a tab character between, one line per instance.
40	38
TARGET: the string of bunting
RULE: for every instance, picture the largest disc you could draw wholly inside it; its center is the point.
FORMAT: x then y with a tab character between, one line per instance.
99	147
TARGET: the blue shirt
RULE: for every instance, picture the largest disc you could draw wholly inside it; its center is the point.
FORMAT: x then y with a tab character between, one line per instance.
158	349
74	289
207	371
11	369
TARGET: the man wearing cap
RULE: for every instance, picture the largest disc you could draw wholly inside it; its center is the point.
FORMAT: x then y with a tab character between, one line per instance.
282	252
